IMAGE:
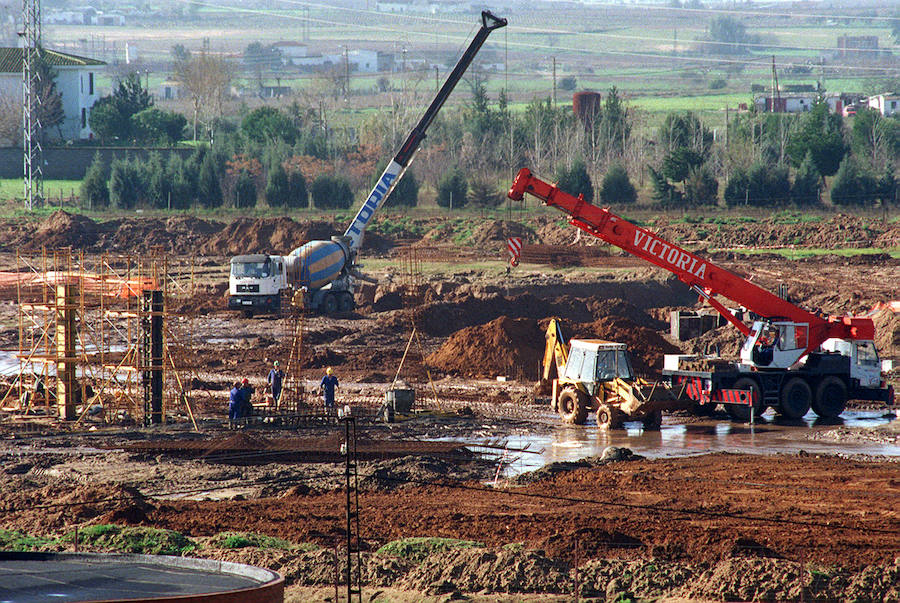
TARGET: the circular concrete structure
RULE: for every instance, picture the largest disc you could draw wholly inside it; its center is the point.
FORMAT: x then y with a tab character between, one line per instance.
42	577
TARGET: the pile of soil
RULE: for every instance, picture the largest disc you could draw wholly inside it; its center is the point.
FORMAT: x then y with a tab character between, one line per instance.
491	235
266	235
887	331
62	229
648	348
726	340
505	346
840	230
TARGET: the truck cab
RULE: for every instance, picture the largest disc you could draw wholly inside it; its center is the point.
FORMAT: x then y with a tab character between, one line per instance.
865	366
255	283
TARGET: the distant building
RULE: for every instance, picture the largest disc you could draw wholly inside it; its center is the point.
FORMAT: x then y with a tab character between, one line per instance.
797	103
857	47
170	90
886	104
275	91
291	51
76	81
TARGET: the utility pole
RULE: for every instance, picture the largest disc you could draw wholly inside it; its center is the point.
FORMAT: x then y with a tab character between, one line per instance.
554	81
437	82
33	156
346	72
775	93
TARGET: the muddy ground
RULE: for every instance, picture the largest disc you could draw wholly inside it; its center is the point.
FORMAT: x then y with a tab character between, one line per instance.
715	527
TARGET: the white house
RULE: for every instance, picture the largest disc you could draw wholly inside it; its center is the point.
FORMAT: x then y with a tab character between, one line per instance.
291	51
886	104
366	61
76	81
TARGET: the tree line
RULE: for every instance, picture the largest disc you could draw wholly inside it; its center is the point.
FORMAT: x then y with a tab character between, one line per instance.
293	157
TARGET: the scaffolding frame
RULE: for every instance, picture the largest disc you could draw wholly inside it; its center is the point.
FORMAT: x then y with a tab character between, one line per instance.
104	323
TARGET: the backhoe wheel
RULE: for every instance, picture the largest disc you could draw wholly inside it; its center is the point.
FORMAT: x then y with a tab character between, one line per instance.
796	398
609	417
653	421
831	397
572	407
741	412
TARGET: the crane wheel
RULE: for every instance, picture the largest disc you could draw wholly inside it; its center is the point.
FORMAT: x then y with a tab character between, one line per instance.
704	410
831	397
740	412
572	407
796	398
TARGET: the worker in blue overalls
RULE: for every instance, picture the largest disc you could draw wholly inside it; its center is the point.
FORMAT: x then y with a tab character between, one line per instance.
329	383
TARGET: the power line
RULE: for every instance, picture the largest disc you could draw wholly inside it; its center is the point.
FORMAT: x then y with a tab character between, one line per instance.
556	48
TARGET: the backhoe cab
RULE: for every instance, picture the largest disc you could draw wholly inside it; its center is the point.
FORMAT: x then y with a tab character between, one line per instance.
593	375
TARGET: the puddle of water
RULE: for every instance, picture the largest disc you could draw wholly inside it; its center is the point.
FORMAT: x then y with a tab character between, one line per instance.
571	443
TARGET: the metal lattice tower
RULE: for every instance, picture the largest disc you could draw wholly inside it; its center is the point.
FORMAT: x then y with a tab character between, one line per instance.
31	120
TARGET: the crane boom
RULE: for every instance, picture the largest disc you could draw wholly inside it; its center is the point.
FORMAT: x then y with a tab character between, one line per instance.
396	168
698	273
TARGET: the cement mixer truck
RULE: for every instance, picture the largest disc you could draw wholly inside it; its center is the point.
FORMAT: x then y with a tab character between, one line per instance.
325	271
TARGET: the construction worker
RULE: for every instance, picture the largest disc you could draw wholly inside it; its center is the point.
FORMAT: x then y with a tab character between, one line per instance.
276	378
235	402
329	382
246	396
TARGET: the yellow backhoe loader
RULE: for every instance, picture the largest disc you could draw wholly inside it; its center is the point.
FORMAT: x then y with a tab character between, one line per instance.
593	375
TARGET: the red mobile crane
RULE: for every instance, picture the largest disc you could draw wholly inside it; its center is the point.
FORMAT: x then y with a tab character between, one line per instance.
792	359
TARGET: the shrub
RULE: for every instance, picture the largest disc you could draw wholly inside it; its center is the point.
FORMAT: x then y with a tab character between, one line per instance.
298	196
701	187
452	189
737	188
126	184
483	194
331	192
852	185
209	190
146	541
617	187
94	189
807	183
277	189
576	181
244	190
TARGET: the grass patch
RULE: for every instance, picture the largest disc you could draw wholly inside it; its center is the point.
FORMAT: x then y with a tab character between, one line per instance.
240	540
147	541
515	547
418	548
13	540
796	253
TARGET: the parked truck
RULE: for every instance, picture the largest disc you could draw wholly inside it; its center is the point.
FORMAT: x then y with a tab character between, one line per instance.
325	271
793	359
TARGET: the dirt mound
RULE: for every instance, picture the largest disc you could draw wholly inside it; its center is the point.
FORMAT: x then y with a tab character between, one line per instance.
410	471
505	346
482	570
887	332
490	234
442	318
62	229
27	506
647	347
725	340
248	235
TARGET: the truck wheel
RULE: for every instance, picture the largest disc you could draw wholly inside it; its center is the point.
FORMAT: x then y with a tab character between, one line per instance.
346	303
796	398
329	304
248	313
609	417
740	412
831	397
572	407
653	421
